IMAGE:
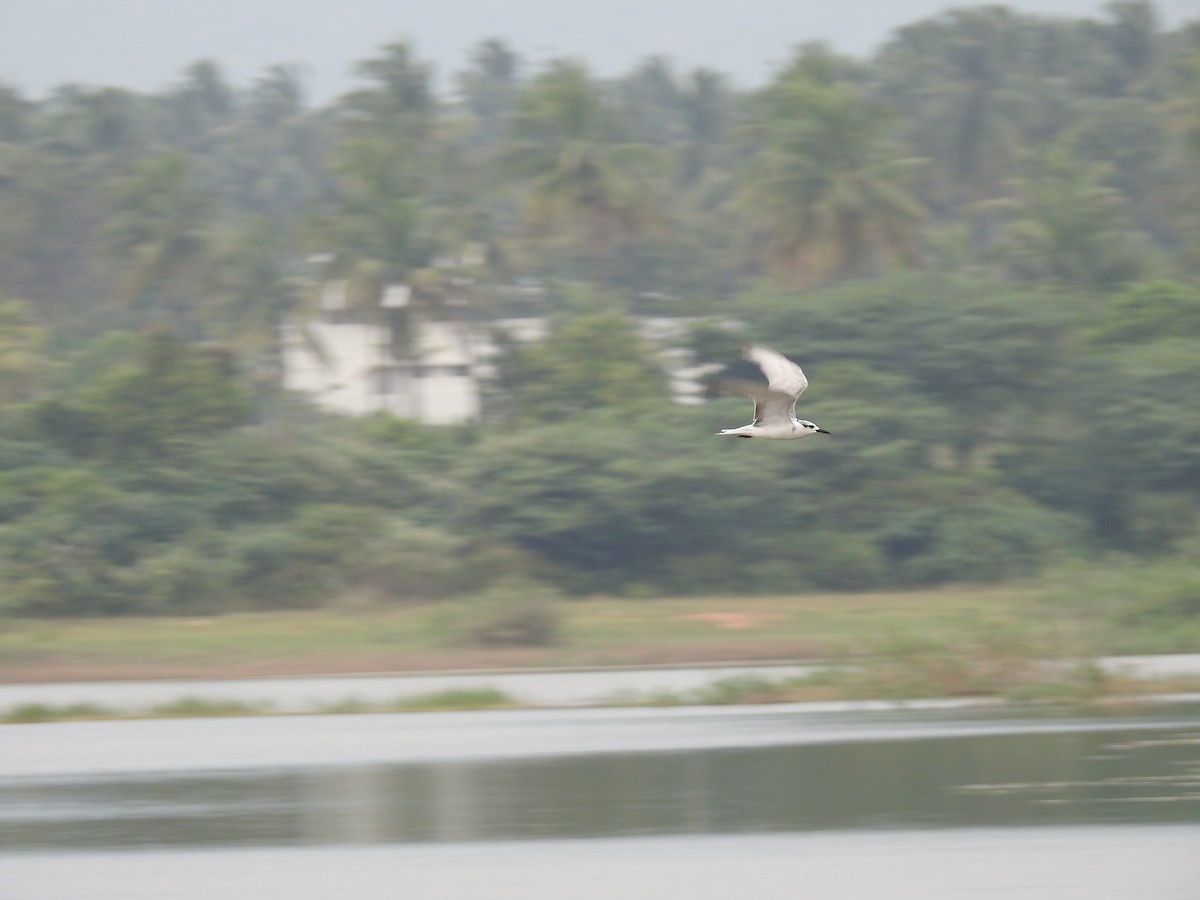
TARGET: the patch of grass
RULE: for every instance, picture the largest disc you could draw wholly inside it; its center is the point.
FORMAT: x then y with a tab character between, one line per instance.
1131	608
449	699
454	699
746	689
34	713
1003	659
822	684
197	707
986	659
1079	684
662	697
347	706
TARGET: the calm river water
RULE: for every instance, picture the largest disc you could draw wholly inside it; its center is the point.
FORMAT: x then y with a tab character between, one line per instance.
794	801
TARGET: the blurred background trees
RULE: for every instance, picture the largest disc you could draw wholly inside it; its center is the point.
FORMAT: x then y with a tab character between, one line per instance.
983	243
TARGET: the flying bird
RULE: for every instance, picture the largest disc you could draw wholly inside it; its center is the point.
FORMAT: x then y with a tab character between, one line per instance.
775	402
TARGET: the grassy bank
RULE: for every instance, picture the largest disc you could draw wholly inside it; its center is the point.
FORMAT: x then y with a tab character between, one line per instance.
197	707
594	632
965	639
1021	643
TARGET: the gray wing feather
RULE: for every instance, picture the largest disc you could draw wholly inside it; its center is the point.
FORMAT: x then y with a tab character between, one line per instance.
783	375
776	400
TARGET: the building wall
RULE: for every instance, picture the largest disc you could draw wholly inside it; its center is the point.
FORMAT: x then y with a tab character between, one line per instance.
348	367
334	362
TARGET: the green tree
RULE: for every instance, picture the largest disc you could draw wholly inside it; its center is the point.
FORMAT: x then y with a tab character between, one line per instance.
378	225
1124	454
583	184
160	235
974	86
23	363
587	362
103	123
489	89
51	202
1179	199
15	113
272	159
172	393
687	116
277	95
1131	37
398	104
191	114
707	113
612	500
827	191
253	289
1068	226
650	103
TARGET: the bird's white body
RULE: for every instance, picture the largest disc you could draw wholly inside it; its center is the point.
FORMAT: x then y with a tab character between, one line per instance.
775	402
789	431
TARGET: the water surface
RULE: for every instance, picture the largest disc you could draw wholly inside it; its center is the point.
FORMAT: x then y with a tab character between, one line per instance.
910	800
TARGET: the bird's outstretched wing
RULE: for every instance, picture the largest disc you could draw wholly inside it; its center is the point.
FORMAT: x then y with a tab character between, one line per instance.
783	375
774	401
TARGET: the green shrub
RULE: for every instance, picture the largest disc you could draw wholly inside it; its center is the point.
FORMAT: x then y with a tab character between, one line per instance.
982	540
842	562
515	614
405	561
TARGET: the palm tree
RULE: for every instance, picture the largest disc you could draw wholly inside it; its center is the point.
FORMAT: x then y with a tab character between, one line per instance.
374	229
964	83
399	104
15	114
489	88
650	103
277	95
273	157
160	235
685	115
1131	37
253	290
583	185
192	113
51	183
101	123
827	190
1067	226
706	112
388	166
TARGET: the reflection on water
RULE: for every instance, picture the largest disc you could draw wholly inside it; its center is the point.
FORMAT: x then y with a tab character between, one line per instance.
1136	775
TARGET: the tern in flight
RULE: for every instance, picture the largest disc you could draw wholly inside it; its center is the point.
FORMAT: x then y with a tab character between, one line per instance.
774	402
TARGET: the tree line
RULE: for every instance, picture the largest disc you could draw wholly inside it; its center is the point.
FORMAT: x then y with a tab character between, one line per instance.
1025	147
983	243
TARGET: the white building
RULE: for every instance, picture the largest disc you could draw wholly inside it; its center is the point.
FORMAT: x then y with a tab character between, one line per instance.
349	365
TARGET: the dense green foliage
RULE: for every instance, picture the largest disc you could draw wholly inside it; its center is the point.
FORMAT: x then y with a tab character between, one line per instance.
982	432
984	244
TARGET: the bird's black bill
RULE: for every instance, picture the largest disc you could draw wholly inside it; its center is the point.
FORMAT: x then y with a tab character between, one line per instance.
823	431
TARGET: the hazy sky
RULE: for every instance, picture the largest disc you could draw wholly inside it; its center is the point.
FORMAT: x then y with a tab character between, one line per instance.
144	44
